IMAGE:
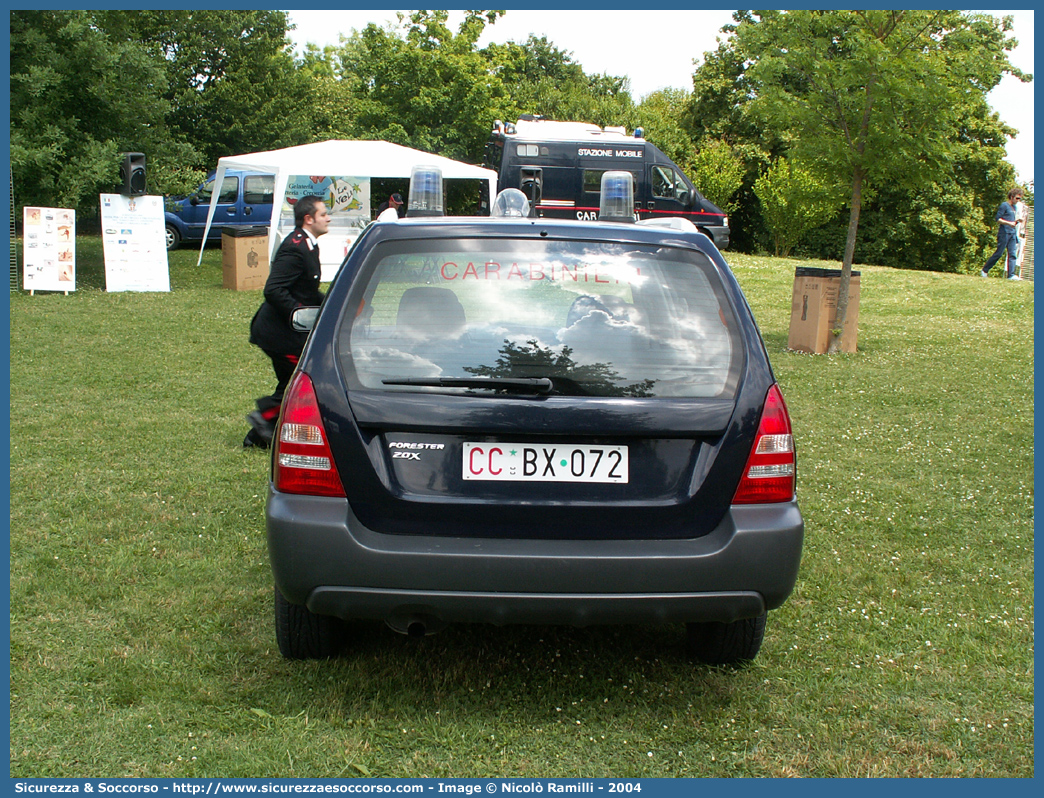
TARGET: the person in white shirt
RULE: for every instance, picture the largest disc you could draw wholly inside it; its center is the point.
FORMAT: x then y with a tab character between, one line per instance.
1021	215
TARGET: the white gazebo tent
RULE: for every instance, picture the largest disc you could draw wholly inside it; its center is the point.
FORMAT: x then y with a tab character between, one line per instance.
356	158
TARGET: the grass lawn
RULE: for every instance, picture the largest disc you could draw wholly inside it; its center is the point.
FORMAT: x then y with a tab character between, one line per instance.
142	636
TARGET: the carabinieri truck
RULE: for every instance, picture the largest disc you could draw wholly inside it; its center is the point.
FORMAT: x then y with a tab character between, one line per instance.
559	166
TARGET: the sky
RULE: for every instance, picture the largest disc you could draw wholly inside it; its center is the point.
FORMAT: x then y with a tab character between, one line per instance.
656	50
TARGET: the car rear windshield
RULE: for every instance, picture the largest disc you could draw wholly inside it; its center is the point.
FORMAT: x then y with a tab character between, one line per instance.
594	318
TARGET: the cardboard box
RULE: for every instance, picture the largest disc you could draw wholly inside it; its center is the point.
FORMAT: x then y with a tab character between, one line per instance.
244	258
813	310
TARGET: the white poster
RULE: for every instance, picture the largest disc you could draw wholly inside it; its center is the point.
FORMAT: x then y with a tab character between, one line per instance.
49	249
134	242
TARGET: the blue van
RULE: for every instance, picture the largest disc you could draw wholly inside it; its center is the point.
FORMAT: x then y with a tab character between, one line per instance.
559	167
245	200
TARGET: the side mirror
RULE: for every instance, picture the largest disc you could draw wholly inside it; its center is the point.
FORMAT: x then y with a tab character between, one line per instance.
194	200
683	196
303	319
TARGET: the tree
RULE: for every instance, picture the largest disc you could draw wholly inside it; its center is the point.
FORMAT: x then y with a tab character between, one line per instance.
718	111
538	78
718	174
231	81
944	223
183	87
660	116
793	202
72	113
331	102
941	223
870	97
421	85
716	170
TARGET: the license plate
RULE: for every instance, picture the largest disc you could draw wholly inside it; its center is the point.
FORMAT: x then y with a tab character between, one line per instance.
527	462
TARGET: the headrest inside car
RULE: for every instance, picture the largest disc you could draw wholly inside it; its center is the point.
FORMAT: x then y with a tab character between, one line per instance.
429	310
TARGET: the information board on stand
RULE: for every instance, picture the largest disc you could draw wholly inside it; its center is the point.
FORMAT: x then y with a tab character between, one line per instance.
134	243
49	249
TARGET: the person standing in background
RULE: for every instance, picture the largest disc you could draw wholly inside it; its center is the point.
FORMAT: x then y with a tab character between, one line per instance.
1006	239
395	203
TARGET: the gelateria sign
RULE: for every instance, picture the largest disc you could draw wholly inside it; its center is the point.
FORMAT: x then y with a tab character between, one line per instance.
347	198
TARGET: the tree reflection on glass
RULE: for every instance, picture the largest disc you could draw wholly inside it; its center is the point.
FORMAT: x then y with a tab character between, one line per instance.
531	360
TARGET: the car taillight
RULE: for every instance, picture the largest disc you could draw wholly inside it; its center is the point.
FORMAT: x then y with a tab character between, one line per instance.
770	472
302	461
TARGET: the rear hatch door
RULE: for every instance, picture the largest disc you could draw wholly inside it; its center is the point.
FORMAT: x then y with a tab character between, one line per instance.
527	386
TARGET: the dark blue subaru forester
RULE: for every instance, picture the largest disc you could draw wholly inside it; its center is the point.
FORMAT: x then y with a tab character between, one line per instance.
510	419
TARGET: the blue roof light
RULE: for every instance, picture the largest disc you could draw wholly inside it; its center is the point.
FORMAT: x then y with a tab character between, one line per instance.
425	192
510	202
617	204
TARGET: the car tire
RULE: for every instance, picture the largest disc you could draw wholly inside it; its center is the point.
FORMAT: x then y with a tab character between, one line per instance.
726	643
302	634
173	237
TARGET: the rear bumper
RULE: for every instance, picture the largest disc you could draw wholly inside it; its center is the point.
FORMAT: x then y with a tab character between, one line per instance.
719	235
324	558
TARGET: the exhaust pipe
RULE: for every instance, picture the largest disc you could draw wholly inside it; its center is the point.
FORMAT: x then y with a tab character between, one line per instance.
414	622
416	629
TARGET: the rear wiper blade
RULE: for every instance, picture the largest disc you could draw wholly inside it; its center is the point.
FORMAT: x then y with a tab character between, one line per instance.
518	385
